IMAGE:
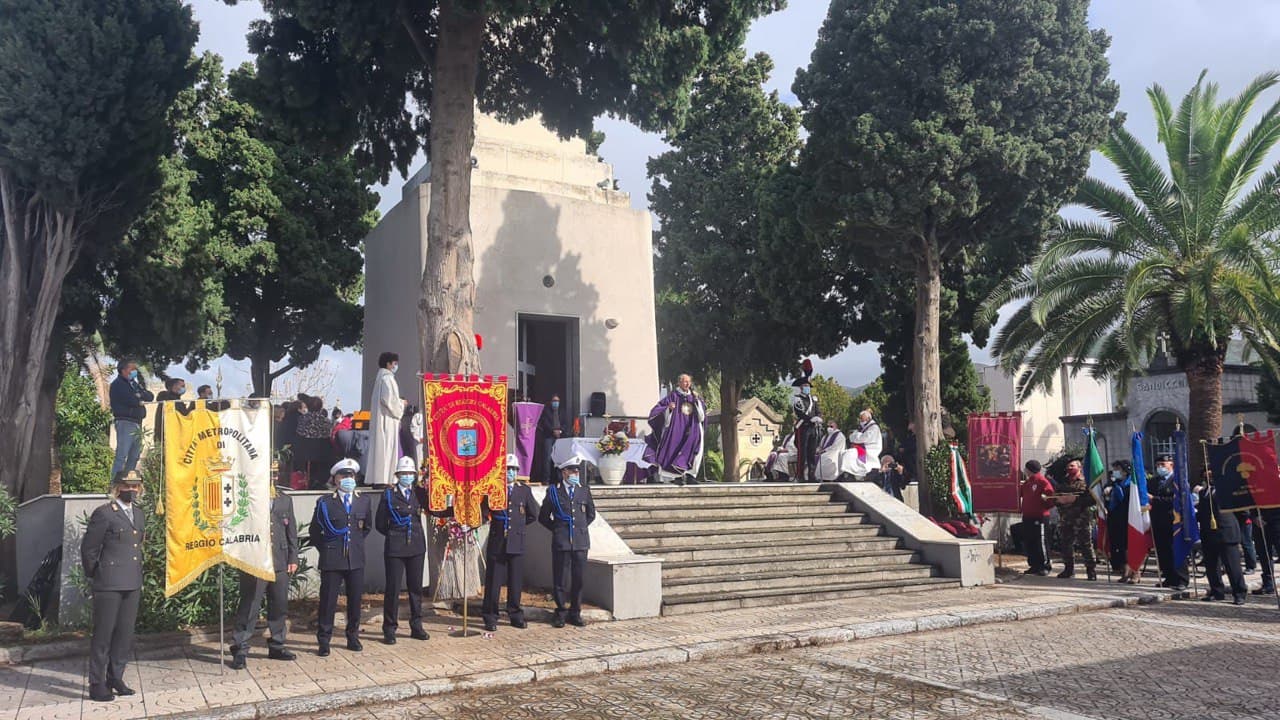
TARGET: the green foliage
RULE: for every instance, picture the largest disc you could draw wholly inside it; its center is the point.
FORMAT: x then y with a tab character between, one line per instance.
713	466
834	401
342	69
705	194
937	466
81	429
774	394
1055	468
1185	254
872	397
8	514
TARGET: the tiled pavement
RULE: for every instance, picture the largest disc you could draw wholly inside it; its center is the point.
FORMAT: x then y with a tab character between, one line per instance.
1172	660
189	679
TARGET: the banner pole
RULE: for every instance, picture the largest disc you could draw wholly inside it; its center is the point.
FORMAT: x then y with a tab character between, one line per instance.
1266	548
222	626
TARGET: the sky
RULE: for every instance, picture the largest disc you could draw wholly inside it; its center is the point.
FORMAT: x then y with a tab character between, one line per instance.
1152	41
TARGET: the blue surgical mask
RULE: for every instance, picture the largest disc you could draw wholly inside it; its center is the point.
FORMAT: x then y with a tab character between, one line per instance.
405	480
573	479
347	484
1164	472
555	404
511	475
133	374
1117	475
804	391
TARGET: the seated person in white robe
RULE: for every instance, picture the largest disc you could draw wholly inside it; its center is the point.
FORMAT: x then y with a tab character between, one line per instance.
829	451
864	447
779	465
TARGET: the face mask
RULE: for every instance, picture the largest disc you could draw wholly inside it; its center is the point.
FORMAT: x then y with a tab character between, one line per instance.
511	475
404	480
573	479
555	405
348	484
133	375
831	428
804	391
1164	472
1117	475
303	410
395	367
180	391
127	496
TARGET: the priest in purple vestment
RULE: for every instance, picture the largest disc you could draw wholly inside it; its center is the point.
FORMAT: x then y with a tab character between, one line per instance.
676	432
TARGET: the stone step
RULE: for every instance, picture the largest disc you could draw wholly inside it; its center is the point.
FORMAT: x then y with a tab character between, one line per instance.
614	502
813	579
647	543
637	528
625	516
699	554
798	563
707	490
677	604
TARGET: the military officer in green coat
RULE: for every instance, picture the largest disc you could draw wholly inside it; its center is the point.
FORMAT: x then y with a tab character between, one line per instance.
111	554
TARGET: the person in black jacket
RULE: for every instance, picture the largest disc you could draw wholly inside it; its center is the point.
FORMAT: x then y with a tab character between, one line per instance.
504	550
128	392
551	427
1163	492
339	525
404	552
284	557
111	555
1220	544
568	512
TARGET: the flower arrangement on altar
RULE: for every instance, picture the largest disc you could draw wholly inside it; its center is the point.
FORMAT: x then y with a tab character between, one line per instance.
615	444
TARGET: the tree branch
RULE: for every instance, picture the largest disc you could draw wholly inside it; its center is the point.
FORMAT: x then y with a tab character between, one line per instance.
277	373
420	40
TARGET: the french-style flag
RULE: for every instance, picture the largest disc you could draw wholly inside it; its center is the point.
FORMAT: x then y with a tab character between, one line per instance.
1140	540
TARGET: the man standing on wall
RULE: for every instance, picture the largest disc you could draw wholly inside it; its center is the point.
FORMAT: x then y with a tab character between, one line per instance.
384	423
127	395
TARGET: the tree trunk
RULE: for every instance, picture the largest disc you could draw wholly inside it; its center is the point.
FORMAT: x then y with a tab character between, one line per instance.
730	393
447	302
1204	417
37	249
926	381
260	374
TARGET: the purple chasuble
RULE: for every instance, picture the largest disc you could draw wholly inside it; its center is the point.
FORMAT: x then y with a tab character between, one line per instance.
675	437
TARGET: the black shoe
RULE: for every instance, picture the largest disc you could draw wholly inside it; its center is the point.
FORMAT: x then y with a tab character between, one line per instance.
1263	591
1213	597
237	662
281	654
353	644
692	480
100	693
387	639
680	482
519	624
1066	574
120	688
557	621
419	634
577	621
1237	599
323	651
490	626
1091	574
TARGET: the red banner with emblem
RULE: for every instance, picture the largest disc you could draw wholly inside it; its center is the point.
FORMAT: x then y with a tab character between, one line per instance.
995	460
466	425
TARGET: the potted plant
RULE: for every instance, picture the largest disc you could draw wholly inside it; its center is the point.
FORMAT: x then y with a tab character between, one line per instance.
612	465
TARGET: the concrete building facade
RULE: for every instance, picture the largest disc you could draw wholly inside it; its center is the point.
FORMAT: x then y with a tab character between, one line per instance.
563	272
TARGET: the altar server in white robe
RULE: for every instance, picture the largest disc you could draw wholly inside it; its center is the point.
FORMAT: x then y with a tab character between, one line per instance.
384	421
865	444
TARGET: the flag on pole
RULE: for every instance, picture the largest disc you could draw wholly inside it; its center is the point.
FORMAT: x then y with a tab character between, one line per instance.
961	493
1095	473
1139	541
1186	530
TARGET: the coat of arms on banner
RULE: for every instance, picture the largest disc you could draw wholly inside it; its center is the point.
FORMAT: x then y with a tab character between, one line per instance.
217	491
467	443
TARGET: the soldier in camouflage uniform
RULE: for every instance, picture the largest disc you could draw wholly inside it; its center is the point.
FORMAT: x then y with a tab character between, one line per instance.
1076	518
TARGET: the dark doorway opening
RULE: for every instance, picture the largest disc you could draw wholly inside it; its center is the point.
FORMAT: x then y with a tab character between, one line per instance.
1159	434
547	360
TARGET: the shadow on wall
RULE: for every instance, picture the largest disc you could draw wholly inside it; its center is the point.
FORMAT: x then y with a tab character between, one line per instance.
526	247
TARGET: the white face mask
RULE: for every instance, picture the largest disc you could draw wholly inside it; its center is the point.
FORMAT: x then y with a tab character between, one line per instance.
1164	472
1117	475
395	367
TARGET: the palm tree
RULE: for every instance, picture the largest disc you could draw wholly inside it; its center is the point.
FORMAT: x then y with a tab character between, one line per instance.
1187	257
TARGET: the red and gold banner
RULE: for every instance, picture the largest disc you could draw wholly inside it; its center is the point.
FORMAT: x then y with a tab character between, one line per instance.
466	425
995	461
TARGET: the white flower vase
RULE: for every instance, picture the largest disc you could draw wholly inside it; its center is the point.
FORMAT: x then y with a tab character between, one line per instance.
612	469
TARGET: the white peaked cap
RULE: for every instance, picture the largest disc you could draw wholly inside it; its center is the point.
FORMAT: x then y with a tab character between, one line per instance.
406	465
572	462
344	464
513	461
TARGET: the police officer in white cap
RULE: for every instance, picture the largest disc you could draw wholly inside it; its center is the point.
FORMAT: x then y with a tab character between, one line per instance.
339	525
111	555
504	551
404	552
567	512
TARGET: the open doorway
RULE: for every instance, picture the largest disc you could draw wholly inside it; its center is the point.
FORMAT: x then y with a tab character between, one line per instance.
547	360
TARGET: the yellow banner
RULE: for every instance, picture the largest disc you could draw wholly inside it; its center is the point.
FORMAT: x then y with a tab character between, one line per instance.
217	480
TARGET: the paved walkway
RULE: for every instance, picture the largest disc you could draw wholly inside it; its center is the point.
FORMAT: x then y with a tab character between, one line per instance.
1169	660
189	680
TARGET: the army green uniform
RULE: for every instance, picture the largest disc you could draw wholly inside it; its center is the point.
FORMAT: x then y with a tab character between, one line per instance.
111	555
1076	526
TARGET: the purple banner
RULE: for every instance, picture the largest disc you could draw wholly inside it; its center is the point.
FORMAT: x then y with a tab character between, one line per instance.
527	414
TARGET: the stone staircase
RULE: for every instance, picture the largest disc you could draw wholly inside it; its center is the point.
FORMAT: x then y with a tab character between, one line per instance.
746	545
